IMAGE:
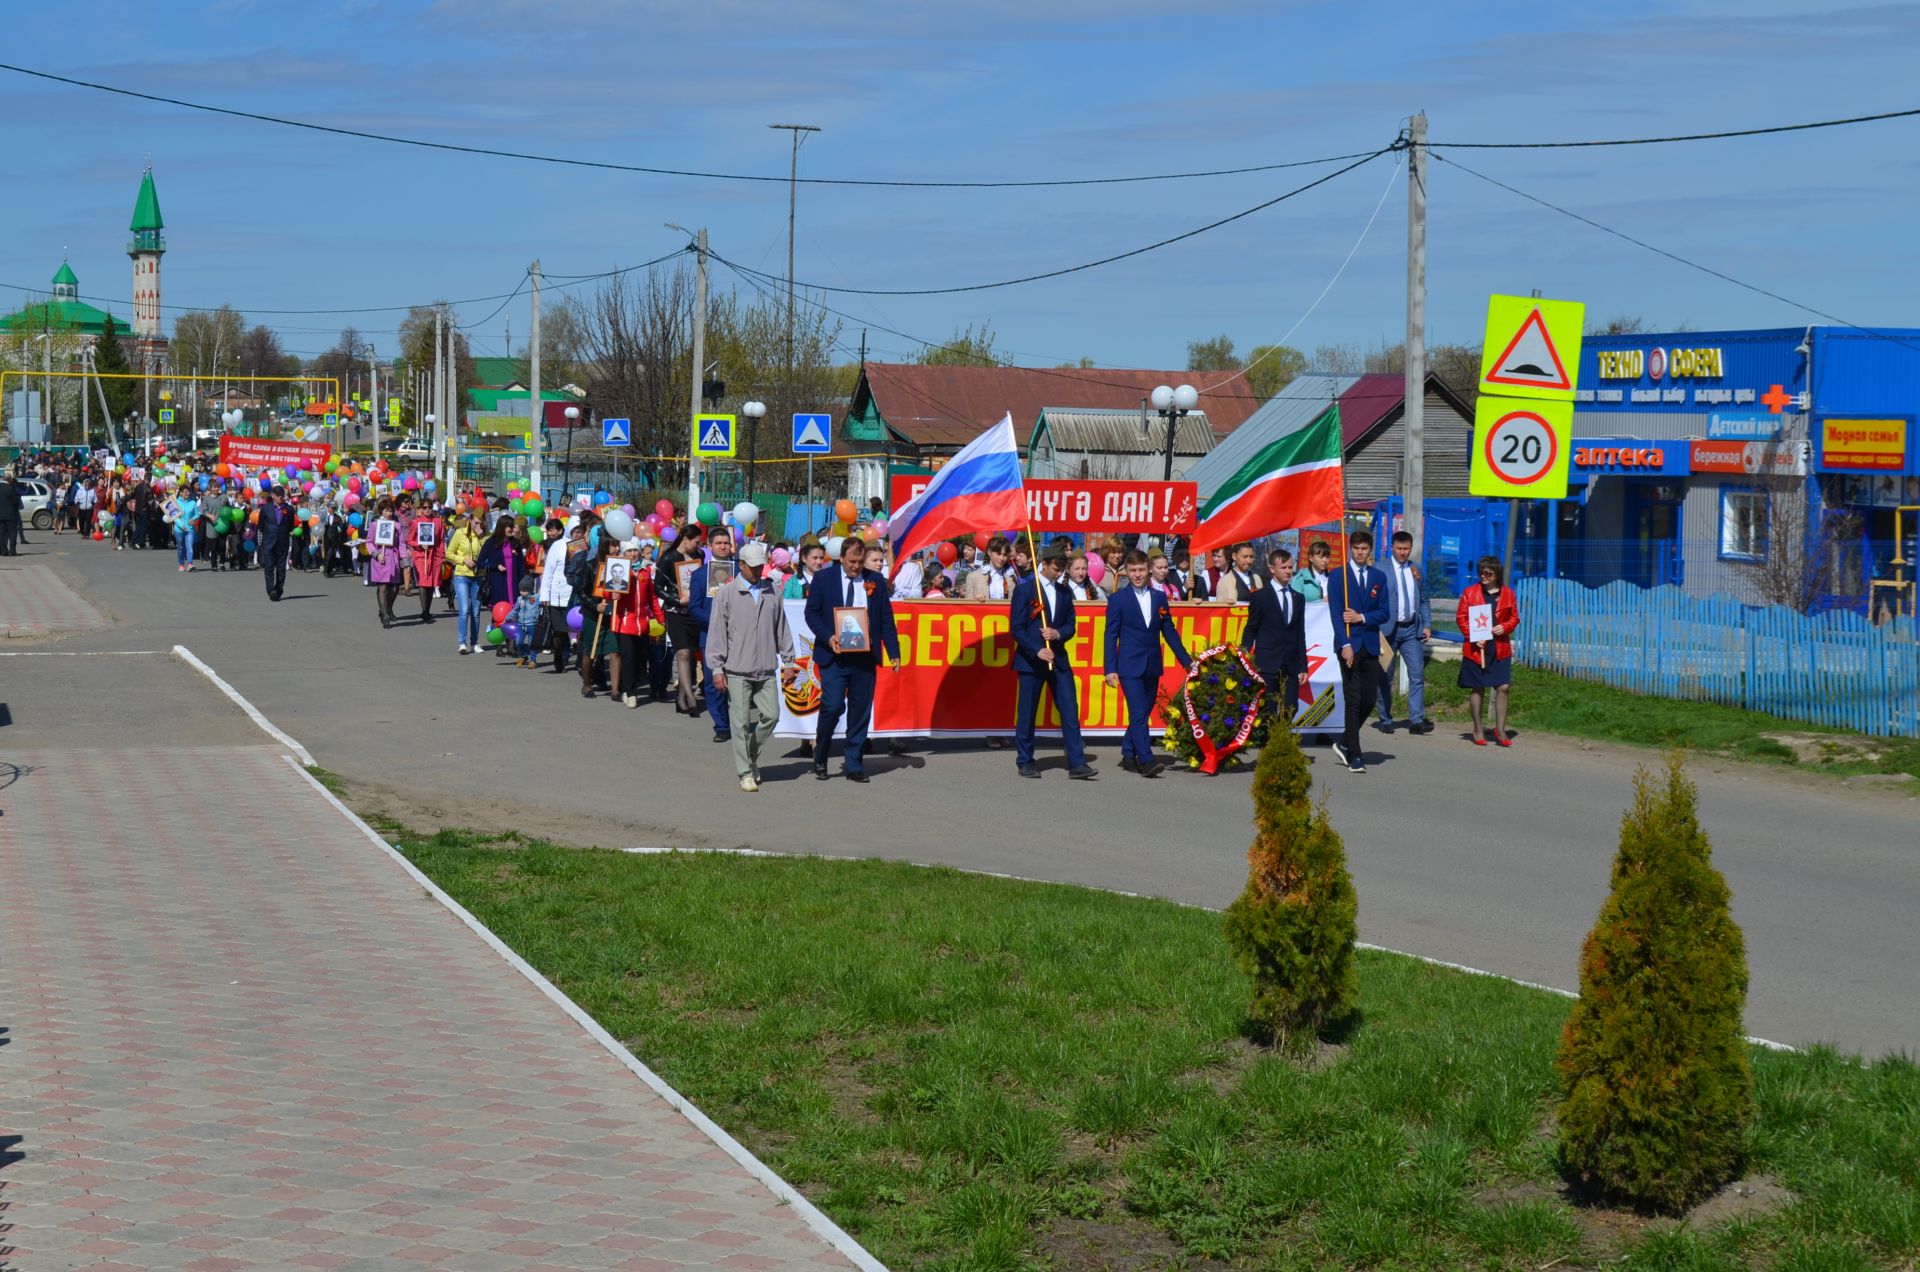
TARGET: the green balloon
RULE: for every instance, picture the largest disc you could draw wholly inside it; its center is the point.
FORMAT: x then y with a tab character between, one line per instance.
537	533
535	508
707	514
495	636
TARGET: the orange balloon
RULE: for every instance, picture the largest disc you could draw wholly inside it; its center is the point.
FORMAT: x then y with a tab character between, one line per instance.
846	510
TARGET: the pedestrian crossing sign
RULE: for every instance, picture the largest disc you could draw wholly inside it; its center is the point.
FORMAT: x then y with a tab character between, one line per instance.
332	419
166	415
713	436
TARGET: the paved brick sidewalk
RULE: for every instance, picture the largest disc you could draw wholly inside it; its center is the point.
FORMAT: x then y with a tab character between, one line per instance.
240	1036
34	601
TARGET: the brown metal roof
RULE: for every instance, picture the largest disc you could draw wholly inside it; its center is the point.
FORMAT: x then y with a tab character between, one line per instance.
950	406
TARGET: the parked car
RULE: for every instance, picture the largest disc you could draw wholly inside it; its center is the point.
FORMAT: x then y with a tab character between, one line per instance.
36	503
414	448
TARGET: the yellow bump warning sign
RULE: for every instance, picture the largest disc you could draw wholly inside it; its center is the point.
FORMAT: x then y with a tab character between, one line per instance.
1532	347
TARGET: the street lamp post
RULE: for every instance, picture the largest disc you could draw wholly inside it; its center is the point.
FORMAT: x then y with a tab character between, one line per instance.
755	412
1172	406
566	469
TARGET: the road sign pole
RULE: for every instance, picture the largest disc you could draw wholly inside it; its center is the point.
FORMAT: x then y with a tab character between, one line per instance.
809	494
699	367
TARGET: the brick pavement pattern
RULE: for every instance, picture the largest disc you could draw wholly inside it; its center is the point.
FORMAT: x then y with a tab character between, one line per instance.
34	601
238	1036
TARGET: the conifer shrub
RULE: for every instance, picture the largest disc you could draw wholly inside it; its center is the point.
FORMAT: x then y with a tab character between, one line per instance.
1653	1062
1292	929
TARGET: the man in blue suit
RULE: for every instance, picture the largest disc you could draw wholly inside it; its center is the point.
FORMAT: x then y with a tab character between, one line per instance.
847	676
1357	604
1138	619
1041	622
700	605
1276	636
1409	626
276	541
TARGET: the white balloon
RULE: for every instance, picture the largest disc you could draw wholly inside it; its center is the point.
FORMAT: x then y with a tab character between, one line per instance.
745	513
833	548
618	524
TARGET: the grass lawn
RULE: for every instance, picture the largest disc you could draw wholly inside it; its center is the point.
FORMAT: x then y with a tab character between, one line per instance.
1552	703
968	1072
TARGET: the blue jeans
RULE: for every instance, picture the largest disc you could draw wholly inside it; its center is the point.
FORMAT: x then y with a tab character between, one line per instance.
466	606
183	544
1027	709
1405	644
719	706
846	688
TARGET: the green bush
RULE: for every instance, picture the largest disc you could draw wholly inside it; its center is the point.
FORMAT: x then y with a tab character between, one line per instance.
1653	1063
1292	929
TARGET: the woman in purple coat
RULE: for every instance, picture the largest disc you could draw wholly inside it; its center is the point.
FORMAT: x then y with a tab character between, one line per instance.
383	552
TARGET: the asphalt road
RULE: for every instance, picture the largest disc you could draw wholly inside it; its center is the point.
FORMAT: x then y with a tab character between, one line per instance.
1493	859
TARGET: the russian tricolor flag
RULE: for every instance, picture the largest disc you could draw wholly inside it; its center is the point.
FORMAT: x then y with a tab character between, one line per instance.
978	489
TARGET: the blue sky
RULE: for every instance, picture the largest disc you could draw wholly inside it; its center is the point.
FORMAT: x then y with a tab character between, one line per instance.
268	218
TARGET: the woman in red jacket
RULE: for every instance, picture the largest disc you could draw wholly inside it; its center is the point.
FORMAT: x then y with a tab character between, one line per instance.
1488	664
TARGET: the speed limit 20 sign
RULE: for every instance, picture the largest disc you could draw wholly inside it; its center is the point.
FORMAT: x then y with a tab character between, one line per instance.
1521	448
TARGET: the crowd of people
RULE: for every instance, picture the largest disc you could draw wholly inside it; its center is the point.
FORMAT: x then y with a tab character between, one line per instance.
664	607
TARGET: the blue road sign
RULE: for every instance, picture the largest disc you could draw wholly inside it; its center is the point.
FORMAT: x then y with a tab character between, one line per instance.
616	432
713	436
813	435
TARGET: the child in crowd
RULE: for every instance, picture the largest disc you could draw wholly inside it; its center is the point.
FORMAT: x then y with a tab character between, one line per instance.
526	615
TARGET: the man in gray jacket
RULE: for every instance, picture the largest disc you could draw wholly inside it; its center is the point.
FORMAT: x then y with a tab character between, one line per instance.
748	643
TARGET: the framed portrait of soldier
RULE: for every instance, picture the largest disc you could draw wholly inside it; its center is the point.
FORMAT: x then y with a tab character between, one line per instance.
386	533
618	577
850	624
426	532
719	574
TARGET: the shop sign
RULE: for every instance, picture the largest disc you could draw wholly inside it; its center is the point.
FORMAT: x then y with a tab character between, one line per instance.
1628	457
1861	445
1745	428
1752	459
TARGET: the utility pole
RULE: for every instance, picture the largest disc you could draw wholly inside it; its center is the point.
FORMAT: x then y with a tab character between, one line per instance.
699	370
1414	467
439	410
536	412
373	395
799	133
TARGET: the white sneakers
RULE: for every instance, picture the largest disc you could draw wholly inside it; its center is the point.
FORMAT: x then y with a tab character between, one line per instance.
465	650
749	784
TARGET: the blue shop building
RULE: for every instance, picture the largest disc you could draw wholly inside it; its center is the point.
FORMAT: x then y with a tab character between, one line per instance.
1750	463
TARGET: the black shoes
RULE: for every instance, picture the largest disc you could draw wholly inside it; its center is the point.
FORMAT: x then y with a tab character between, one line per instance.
721	735
820	772
1128	764
1027	770
1422	727
1083	773
859	776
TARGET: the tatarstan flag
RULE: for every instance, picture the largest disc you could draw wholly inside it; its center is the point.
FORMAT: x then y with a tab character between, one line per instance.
1294	481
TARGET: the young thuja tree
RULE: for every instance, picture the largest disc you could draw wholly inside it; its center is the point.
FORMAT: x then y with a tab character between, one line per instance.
1653	1062
1292	929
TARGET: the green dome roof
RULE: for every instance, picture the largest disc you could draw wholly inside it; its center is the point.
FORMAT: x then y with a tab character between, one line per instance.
65	276
146	209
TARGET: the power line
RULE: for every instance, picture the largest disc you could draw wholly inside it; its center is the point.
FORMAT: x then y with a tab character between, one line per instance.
491	152
1676	257
1661	141
1071	269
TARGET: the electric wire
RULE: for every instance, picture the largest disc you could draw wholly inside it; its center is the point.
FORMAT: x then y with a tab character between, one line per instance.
1662	141
1676	257
493	152
1071	269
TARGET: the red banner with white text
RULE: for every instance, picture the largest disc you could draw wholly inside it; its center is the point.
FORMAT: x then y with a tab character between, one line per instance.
266	452
1094	507
956	676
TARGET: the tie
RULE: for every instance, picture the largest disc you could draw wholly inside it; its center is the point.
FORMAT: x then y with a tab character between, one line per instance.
1286	608
849	591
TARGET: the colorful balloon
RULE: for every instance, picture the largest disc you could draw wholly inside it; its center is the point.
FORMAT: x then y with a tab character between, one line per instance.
664	510
707	514
495	636
619	524
745	513
575	620
846	510
946	554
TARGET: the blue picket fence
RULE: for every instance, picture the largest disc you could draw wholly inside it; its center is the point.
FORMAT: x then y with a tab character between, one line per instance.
1832	669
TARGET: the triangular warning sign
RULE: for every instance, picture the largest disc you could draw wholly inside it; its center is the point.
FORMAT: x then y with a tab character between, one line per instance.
715	438
810	434
616	433
1531	361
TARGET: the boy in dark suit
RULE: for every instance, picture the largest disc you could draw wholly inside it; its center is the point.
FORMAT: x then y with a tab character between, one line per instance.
1041	622
847	679
1276	635
1138	619
1357	603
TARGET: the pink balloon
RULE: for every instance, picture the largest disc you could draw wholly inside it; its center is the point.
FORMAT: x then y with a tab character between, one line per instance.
880	526
352	500
664	510
781	556
1096	568
627	508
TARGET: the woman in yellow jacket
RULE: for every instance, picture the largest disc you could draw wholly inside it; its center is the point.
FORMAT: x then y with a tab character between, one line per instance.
463	552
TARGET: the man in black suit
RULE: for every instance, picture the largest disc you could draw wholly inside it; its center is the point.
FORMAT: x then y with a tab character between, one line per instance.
9	516
276	541
1041	622
847	676
1276	636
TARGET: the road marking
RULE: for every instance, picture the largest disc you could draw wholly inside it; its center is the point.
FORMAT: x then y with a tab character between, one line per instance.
827	1228
77	653
253	713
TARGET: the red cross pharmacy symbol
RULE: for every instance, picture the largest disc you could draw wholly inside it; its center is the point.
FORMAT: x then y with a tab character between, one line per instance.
1776	398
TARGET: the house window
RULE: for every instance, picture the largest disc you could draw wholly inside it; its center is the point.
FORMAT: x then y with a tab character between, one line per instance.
1743	524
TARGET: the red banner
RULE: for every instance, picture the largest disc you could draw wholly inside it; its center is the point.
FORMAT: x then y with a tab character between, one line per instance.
1094	507
262	452
956	674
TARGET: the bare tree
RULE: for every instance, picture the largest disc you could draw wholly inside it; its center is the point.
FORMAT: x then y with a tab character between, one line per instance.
637	337
1806	547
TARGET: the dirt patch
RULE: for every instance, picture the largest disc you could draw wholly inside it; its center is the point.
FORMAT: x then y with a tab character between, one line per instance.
1124	1245
1829	748
427	811
1744	1200
850	1092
